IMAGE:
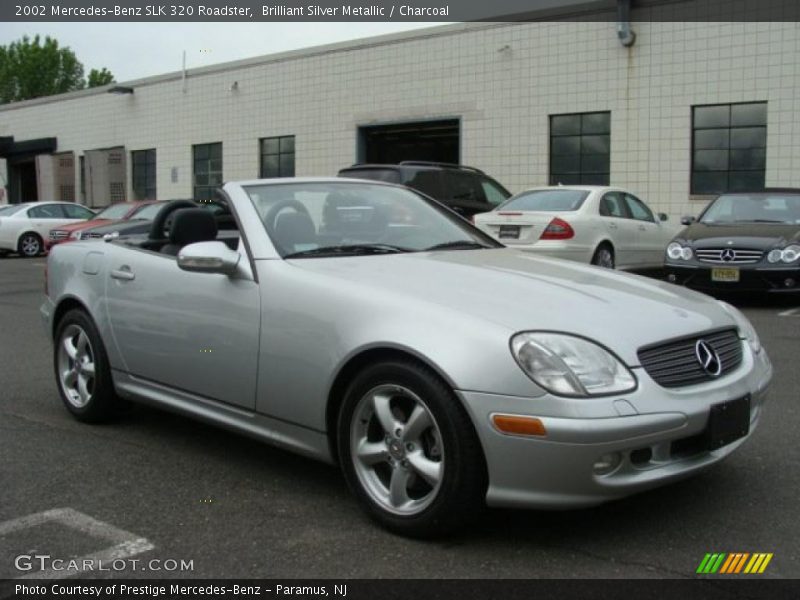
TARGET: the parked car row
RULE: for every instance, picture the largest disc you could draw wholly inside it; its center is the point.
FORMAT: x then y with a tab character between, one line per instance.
741	242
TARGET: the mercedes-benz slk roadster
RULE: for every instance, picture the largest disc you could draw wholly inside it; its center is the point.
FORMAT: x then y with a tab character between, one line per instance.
364	324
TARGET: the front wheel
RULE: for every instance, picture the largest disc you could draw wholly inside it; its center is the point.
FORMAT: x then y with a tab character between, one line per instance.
30	245
409	451
82	370
604	257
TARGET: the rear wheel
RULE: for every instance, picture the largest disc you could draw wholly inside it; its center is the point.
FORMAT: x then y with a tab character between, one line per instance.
30	245
409	451
82	370
604	256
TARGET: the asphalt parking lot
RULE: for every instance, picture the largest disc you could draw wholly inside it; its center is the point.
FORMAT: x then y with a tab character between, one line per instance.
176	489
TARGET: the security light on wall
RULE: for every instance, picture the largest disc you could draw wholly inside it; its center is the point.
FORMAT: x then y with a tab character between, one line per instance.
234	87
120	90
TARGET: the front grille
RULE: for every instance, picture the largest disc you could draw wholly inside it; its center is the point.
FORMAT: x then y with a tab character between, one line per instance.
88	235
675	363
59	235
729	256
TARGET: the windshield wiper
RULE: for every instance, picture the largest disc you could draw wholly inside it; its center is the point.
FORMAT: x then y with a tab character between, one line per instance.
458	244
350	249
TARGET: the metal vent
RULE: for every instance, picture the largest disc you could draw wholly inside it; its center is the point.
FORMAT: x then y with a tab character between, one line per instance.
676	364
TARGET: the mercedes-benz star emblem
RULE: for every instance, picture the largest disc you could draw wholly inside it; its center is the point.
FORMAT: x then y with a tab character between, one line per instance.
728	255
708	358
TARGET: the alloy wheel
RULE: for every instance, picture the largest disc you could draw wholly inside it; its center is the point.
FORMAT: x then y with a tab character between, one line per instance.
396	449
76	368
30	245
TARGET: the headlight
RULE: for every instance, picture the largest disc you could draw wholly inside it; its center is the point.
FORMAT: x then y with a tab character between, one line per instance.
787	255
570	366
674	250
746	329
677	251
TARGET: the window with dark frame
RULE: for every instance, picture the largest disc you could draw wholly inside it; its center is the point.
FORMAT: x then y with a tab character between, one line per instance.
144	174
580	148
207	160
729	147
277	156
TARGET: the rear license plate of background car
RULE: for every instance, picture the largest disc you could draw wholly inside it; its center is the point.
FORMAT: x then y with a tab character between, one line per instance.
509	231
727	422
728	275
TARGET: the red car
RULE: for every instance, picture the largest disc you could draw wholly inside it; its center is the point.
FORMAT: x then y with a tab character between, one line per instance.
121	211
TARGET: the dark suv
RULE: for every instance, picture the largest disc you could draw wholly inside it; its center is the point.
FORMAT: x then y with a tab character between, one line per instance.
466	190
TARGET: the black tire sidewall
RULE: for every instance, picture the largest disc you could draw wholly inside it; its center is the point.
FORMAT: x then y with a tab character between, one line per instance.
103	403
463	487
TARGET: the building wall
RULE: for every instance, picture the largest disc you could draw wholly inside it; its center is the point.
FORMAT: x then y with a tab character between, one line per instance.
503	99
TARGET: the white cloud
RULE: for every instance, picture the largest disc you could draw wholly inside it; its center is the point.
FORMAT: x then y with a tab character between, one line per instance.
134	50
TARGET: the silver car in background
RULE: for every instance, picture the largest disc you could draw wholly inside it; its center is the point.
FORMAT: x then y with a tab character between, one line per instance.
362	324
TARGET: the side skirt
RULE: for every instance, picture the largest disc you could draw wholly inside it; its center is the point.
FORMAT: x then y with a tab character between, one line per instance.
288	436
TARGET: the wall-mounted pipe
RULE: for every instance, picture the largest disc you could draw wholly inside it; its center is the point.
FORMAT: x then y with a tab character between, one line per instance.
624	32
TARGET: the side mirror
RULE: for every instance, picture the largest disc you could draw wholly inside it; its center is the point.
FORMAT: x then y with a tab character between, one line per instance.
663	217
208	257
687	220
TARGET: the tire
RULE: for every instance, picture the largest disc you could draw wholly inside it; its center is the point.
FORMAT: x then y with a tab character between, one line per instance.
30	245
604	257
88	394
436	462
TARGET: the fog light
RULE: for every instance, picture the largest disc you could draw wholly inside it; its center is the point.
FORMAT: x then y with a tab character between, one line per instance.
789	282
607	463
672	278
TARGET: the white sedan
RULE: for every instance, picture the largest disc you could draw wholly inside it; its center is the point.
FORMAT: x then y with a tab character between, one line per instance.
24	227
604	226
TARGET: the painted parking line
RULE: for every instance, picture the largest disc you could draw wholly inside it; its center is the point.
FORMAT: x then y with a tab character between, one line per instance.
124	543
792	312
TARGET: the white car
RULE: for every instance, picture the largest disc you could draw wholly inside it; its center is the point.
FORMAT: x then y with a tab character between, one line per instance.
24	227
604	226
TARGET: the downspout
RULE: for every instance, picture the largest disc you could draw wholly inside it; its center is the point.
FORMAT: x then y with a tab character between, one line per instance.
624	32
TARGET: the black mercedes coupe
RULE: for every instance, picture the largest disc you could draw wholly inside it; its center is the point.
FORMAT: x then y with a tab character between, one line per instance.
742	242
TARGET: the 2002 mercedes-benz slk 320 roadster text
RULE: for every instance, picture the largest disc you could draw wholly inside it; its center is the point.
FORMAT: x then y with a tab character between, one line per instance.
363	324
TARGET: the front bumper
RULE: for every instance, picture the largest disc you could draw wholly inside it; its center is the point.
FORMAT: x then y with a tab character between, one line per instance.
557	471
751	278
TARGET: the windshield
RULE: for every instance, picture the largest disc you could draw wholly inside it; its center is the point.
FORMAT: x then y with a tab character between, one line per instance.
334	219
115	211
754	208
148	211
547	200
7	211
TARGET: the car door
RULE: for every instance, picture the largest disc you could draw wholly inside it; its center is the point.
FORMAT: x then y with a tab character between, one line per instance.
197	332
46	216
649	243
621	230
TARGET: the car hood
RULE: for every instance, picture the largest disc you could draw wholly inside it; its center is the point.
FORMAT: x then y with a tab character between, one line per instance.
760	235
519	291
82	225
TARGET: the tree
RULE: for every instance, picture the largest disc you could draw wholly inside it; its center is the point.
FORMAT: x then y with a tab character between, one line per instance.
32	68
98	78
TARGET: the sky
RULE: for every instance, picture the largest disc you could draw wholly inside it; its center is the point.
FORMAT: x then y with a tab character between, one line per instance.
134	50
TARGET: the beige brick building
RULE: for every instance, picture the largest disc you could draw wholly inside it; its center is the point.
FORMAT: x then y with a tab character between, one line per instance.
487	95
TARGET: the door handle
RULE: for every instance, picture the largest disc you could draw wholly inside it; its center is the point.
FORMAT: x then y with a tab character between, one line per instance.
612	225
642	228
124	273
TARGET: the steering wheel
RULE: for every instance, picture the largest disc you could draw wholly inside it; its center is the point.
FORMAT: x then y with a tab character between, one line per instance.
275	209
160	222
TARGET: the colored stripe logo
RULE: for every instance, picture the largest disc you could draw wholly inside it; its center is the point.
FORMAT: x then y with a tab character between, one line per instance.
734	563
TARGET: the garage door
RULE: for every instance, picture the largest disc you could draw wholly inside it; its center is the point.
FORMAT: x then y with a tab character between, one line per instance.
437	141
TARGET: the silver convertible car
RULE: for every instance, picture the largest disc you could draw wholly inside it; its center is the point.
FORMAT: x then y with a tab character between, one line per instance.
363	324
